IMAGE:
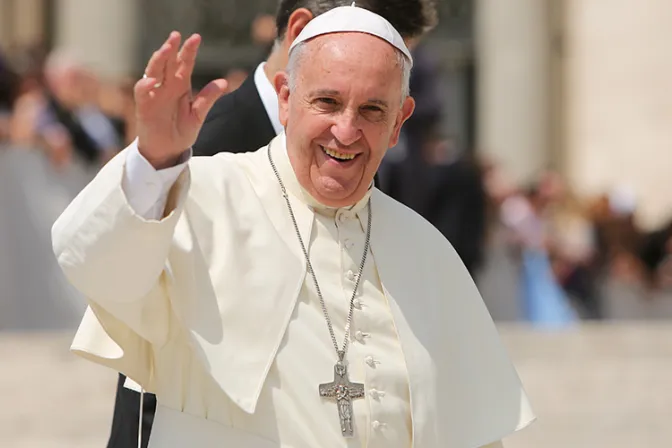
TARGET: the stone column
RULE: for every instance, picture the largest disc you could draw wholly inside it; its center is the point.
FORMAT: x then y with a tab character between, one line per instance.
5	23
29	22
513	51
21	23
620	101
104	33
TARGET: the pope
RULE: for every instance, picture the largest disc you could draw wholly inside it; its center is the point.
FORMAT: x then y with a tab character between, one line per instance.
277	298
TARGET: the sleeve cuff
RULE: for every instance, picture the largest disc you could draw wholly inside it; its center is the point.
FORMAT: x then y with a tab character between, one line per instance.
146	189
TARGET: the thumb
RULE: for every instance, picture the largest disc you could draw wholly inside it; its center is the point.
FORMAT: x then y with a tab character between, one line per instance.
206	98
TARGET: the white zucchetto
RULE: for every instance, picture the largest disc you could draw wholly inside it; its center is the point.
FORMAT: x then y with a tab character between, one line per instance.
352	19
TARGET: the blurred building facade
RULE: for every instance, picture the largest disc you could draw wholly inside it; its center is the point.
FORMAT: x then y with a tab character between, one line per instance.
578	86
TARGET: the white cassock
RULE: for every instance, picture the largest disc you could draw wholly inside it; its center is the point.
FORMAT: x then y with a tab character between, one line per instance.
211	309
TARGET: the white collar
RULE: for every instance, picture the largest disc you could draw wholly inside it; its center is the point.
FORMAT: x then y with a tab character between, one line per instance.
268	97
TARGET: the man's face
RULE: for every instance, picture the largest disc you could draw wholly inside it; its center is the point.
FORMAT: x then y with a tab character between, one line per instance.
344	113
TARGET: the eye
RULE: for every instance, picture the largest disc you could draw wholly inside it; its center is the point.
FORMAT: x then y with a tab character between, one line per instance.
373	113
327	101
372	108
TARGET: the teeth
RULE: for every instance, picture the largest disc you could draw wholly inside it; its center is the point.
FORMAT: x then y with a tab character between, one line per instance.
338	155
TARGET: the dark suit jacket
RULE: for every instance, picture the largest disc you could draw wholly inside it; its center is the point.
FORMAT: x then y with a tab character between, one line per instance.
452	197
83	144
238	122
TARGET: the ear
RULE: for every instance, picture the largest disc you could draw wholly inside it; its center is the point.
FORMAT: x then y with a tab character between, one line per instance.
404	114
281	84
297	22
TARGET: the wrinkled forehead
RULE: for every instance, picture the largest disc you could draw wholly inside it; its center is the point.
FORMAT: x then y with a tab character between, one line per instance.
351	64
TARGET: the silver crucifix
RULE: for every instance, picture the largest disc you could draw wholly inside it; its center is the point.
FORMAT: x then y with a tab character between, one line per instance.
343	391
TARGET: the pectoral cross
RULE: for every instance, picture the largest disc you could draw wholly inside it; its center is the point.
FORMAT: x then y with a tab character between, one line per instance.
343	391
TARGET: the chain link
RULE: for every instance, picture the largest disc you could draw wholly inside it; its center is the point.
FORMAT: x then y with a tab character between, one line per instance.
342	352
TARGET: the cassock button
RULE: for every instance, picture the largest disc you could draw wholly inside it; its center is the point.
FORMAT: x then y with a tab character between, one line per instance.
360	336
370	361
349	244
343	217
350	276
376	394
376	424
357	304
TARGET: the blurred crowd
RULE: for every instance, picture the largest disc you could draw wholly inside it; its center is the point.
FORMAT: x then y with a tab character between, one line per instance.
586	241
54	103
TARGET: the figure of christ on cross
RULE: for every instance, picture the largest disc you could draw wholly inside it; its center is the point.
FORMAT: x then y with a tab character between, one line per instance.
343	391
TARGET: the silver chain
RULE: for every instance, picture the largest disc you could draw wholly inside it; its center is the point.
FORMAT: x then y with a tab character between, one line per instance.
341	353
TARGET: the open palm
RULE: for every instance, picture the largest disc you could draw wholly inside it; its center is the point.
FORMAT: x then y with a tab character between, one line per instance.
169	116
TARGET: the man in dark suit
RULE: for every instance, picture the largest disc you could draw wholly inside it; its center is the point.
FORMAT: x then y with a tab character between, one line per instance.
246	120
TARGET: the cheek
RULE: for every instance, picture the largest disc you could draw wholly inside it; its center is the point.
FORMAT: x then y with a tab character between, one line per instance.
314	126
378	138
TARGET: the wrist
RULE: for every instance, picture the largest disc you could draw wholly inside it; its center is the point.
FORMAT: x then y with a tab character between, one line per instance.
163	161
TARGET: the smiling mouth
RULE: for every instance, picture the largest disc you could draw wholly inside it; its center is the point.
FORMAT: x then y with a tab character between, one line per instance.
336	155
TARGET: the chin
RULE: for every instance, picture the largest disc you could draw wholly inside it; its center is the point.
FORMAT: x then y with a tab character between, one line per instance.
332	188
332	192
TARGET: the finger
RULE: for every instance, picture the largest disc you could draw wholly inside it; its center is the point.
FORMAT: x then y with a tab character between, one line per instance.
171	57
206	98
187	57
157	63
145	90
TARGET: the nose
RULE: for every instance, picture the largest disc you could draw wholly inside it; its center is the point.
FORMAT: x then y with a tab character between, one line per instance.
345	129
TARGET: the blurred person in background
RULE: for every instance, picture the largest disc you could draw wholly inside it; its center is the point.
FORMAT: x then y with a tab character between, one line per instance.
64	117
617	236
404	171
264	32
246	120
431	175
655	253
544	303
458	204
117	103
664	268
29	62
9	91
572	247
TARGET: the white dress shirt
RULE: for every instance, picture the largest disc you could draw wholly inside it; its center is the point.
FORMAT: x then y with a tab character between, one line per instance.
268	97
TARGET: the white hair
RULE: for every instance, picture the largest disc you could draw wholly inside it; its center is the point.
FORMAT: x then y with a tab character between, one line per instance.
61	60
296	56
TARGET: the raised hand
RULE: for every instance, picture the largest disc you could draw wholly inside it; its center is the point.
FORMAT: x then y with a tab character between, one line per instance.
169	117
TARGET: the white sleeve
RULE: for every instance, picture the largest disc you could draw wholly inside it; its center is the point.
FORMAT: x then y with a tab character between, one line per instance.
147	189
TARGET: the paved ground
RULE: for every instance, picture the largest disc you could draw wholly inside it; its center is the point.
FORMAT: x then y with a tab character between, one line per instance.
50	398
601	387
34	295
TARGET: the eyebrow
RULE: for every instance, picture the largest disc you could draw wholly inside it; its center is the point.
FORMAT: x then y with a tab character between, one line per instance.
378	102
331	92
